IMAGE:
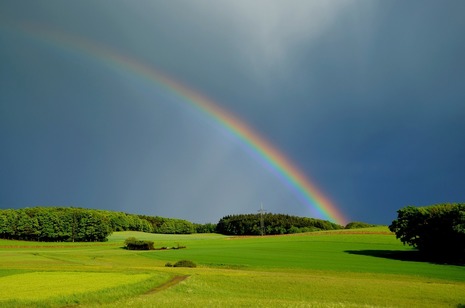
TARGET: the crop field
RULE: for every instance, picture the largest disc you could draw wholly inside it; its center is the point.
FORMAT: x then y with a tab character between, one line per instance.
345	268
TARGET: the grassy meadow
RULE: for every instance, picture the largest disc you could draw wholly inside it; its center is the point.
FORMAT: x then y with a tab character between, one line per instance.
345	268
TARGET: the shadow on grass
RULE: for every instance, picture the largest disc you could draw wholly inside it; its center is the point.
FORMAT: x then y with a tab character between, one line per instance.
406	255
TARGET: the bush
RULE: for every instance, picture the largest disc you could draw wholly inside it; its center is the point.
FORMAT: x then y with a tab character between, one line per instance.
185	263
132	243
129	240
437	231
168	264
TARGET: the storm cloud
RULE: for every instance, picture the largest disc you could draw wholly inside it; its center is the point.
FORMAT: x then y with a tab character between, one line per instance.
366	98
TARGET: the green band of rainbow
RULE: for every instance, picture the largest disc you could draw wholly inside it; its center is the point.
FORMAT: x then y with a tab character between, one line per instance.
306	191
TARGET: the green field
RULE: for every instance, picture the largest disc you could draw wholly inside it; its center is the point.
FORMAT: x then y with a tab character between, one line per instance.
346	268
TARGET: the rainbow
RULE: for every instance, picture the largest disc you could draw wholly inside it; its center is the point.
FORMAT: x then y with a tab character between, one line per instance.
280	165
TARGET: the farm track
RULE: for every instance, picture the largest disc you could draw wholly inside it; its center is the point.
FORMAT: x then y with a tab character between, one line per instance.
172	282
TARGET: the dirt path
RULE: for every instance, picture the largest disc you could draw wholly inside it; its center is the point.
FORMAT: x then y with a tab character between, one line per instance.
172	282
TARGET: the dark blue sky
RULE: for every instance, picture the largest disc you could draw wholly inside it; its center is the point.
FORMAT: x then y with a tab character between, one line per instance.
366	97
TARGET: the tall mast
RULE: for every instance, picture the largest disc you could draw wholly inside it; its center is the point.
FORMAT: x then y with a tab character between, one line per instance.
262	219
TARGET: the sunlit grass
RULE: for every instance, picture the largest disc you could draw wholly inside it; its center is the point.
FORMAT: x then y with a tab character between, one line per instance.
233	288
340	251
322	269
64	288
40	285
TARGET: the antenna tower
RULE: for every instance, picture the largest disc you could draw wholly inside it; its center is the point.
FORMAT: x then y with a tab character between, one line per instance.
262	220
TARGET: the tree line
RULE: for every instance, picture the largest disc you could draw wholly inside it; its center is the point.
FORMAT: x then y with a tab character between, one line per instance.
70	224
256	224
56	224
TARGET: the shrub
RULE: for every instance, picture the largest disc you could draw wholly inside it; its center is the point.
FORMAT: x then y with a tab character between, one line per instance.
168	264
178	247
129	240
185	263
132	243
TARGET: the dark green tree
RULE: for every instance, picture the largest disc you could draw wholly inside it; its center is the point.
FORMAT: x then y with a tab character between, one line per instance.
438	231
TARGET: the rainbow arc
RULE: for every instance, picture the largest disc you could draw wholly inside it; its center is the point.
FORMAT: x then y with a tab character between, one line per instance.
306	191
